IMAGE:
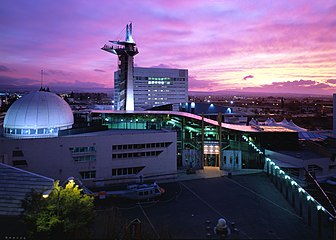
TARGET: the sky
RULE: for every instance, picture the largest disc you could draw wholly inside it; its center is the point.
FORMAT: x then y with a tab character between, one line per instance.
280	46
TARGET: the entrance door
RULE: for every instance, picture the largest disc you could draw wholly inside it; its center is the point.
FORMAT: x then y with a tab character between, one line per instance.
211	160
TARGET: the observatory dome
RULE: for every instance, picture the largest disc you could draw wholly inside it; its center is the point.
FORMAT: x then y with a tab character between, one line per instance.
38	115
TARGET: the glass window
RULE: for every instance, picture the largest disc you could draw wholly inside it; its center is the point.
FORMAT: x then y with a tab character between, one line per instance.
40	131
119	171
114	172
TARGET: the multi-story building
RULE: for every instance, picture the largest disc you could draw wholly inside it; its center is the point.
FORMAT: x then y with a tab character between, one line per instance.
155	87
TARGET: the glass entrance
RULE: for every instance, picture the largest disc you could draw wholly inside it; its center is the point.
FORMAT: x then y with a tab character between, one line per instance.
211	160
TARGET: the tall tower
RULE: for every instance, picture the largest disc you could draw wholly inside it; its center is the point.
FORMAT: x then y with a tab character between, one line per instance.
126	50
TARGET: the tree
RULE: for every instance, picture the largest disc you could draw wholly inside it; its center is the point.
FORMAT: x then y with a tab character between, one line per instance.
65	213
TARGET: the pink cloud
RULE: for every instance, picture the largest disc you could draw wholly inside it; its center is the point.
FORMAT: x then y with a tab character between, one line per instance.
219	42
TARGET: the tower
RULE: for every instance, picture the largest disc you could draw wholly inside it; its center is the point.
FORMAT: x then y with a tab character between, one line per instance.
125	50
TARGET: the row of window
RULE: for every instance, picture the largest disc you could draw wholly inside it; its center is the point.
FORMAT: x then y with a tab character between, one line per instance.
115	172
141	146
158	82
126	171
88	174
83	149
159	78
136	154
87	158
34	131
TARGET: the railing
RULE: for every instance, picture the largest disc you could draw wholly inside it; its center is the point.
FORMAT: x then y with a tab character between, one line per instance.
323	220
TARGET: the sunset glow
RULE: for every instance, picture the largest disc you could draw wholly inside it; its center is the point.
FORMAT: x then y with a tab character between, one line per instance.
251	46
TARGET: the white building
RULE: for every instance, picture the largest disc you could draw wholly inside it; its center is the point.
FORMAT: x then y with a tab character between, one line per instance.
155	87
98	158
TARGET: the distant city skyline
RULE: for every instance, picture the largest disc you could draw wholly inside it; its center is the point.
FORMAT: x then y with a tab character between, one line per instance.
245	46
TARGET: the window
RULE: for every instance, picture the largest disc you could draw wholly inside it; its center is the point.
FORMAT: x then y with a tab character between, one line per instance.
19	163
83	149
17	153
126	171
86	158
88	174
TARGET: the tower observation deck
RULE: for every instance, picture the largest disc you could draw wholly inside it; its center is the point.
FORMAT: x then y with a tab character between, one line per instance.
125	50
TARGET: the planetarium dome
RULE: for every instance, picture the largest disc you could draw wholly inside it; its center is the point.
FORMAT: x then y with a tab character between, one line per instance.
37	115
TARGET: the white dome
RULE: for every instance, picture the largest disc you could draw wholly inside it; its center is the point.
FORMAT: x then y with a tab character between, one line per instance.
38	114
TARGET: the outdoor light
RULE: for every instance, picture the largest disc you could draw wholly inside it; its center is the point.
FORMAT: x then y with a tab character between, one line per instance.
276	167
282	172
46	193
301	190
287	177
267	159
319	207
293	183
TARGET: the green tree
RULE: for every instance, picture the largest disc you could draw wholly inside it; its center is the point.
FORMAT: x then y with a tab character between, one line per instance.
64	213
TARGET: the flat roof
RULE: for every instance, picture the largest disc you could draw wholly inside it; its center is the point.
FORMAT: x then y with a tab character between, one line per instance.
116	132
258	209
235	127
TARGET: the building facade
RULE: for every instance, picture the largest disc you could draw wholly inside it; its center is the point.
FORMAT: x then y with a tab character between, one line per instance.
97	158
154	87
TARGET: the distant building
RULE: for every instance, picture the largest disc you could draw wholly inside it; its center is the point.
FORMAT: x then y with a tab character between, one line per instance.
154	87
334	114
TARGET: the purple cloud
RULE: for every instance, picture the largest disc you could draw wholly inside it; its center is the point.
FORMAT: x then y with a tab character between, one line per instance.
332	81
248	76
219	42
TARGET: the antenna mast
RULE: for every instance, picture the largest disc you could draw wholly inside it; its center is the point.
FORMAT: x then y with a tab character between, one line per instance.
41	78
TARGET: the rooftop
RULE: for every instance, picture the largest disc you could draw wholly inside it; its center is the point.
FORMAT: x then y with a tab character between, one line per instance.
206	120
15	184
252	202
